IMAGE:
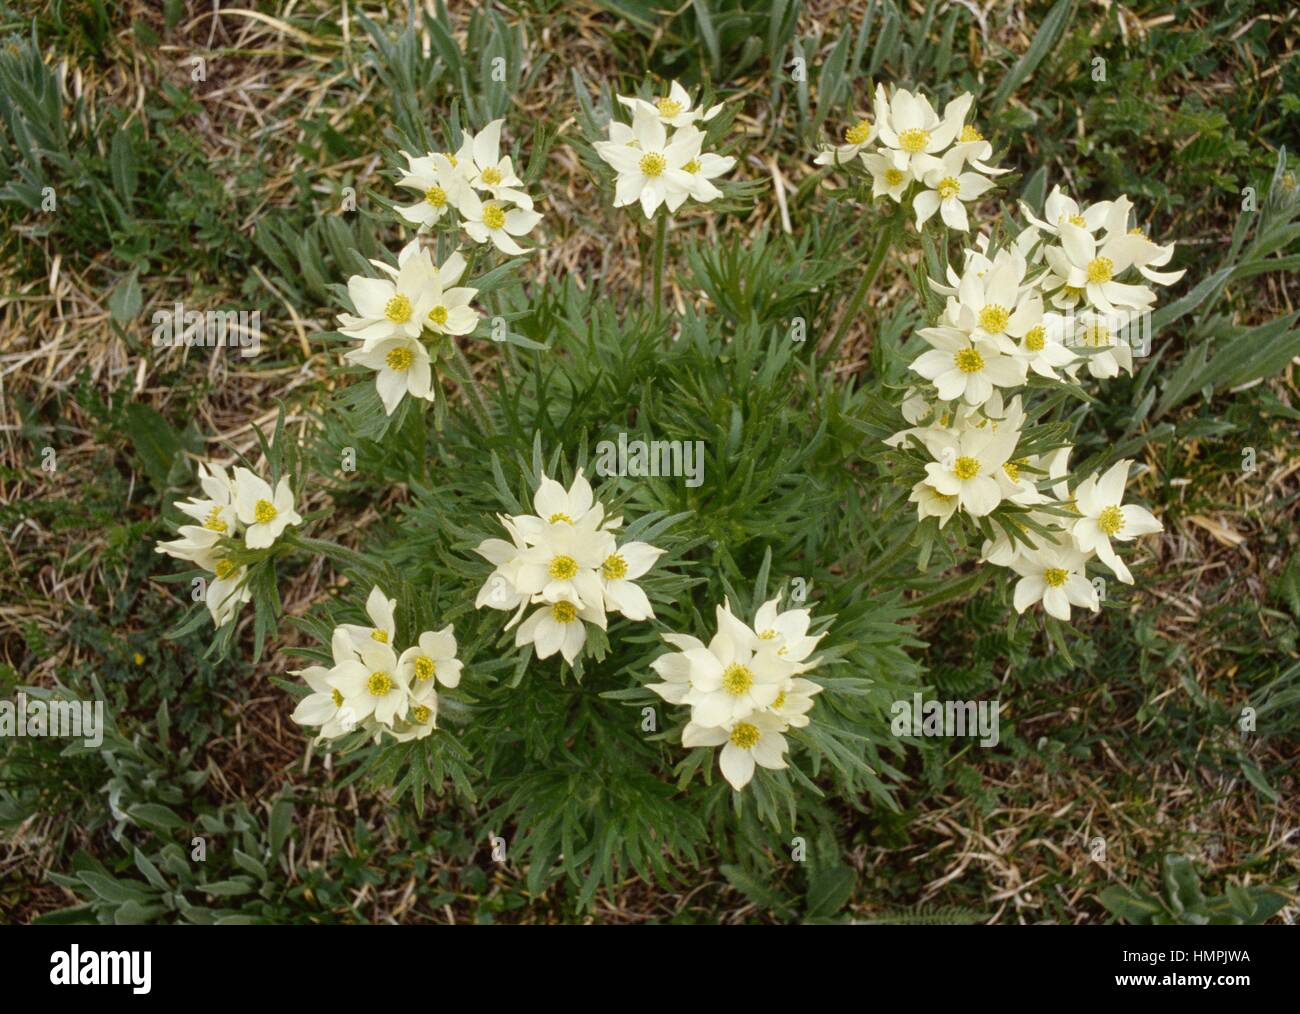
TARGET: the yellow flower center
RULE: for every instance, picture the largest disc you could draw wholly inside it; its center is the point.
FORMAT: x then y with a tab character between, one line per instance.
1013	471
744	736
968	360
767	635
438	315
693	166
1055	576
560	516
614	568
737	679
399	358
436	196
993	318
1078	220
564	612
966	468
336	697
1073	293
914	140
667	107
779	703
379	635
1036	338
563	568
213	522
450	158
858	133
653	165
970	133
490	176
420	714
1100	270
424	668
1137	231
1111	520
264	511
493	216
224	568
893	177
398	309
949	187
1097	335
379	684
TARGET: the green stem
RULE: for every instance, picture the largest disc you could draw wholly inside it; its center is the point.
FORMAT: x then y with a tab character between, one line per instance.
859	296
661	244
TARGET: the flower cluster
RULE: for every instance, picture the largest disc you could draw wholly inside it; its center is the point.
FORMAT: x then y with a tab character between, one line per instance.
908	148
654	167
995	330
230	508
420	298
566	560
478	184
744	688
394	313
370	686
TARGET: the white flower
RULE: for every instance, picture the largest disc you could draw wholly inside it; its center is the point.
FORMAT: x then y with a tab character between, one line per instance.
1042	349
703	168
1109	353
485	169
559	626
730	679
619	571
947	187
325	707
449	311
380	608
226	592
1085	265
441	187
968	368
391	307
886	178
1060	209
1152	255
565	565
493	221
674	110
372	684
264	514
856	139
500	590
992	298
786	631
653	172
912	132
1053	574
969	468
754	740
432	659
930	503
793	704
554	505
197	544
403	366
975	150
1104	516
